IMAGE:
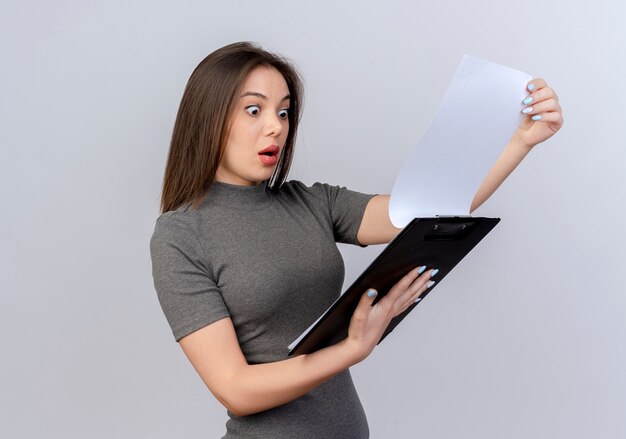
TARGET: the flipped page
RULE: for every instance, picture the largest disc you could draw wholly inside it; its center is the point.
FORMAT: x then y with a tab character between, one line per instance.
476	118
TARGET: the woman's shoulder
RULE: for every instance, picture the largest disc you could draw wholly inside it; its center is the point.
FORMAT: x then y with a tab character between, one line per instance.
324	192
176	223
317	190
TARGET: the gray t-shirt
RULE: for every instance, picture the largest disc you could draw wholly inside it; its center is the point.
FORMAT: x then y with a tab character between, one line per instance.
270	262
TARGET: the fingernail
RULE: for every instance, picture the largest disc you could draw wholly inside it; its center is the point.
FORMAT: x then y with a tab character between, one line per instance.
527	110
422	269
531	87
371	293
418	299
527	101
431	283
536	117
434	272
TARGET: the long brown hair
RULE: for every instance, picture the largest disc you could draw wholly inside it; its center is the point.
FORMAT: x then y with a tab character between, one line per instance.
203	121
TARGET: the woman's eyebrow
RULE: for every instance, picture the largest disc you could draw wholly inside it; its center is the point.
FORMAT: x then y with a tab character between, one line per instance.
261	95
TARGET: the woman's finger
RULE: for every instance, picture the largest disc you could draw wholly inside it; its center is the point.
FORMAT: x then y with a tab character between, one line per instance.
552	116
535	84
404	283
415	297
365	305
542	107
538	96
416	290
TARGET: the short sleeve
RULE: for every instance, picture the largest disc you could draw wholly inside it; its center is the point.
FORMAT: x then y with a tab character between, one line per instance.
187	292
346	209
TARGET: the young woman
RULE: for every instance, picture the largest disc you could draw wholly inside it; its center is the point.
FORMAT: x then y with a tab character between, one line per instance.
243	261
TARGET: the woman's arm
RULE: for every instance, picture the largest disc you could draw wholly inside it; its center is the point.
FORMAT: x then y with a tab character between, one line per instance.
245	389
544	117
511	156
376	226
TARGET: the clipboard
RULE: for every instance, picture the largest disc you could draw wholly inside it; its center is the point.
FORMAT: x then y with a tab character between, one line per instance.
452	177
437	242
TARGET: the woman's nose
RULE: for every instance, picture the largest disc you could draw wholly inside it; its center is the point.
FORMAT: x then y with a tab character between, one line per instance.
273	126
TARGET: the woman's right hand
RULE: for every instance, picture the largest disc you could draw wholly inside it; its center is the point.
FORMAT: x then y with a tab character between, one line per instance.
369	322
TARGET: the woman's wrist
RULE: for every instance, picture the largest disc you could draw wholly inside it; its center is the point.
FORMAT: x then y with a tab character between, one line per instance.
517	152
351	351
517	143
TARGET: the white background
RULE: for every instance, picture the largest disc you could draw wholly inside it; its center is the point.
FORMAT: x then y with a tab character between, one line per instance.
524	339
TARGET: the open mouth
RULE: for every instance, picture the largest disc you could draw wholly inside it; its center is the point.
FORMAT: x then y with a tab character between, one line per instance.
269	156
271	150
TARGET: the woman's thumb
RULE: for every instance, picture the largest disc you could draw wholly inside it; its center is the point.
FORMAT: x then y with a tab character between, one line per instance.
365	303
369	296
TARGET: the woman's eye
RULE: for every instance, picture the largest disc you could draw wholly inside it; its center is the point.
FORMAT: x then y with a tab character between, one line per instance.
283	114
253	110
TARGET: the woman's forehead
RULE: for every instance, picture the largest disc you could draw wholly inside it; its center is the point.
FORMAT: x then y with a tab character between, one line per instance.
266	81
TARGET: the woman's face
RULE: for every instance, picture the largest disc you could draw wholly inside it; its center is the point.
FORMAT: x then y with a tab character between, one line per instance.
258	131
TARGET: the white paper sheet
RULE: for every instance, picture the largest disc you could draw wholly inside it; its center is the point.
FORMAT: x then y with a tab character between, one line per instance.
476	118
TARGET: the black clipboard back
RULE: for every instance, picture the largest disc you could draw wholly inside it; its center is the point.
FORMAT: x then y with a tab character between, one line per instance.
438	242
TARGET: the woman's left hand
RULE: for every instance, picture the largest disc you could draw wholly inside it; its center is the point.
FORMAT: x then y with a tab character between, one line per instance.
543	114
